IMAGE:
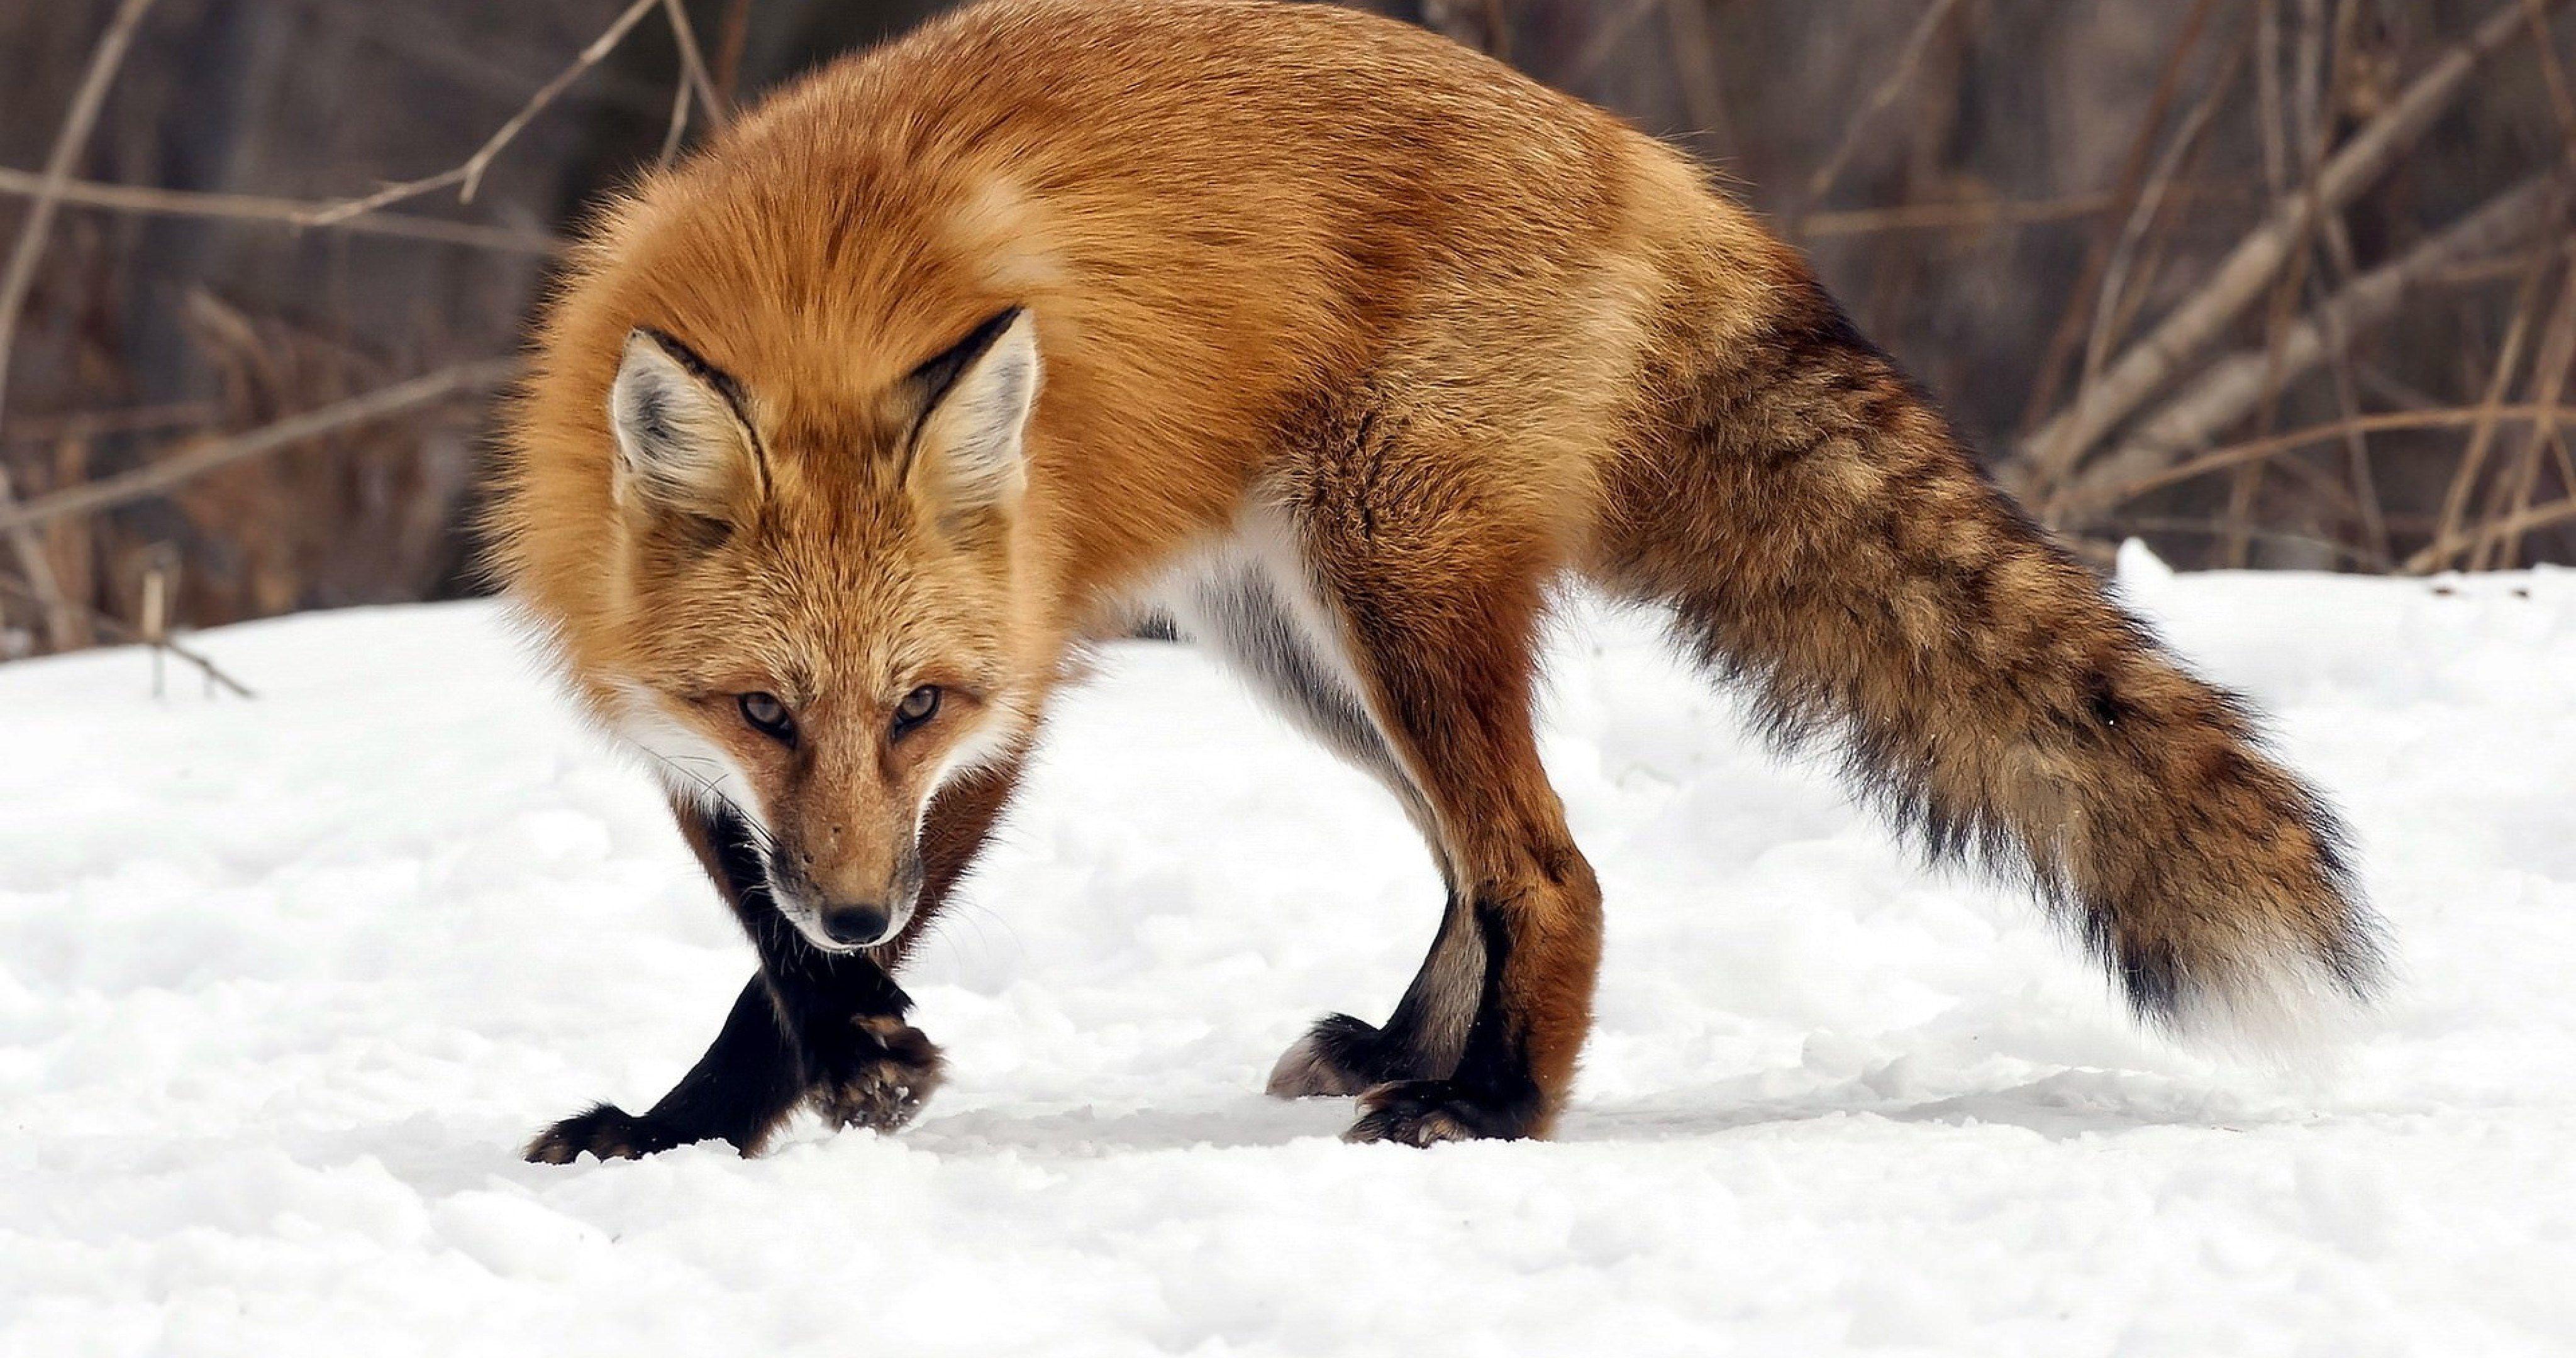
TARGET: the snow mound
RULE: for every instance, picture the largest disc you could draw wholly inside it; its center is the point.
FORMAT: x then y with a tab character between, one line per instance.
285	983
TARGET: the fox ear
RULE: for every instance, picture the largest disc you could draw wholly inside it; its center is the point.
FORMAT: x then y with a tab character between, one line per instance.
966	457
682	446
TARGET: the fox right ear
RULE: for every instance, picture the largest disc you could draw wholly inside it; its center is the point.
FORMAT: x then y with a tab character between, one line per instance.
966	457
682	444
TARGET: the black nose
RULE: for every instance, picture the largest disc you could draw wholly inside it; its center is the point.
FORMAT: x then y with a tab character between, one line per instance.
855	925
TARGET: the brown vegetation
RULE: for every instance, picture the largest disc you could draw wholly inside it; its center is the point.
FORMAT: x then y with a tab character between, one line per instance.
2269	282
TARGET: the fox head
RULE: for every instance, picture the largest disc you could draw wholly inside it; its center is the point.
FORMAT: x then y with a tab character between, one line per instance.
815	605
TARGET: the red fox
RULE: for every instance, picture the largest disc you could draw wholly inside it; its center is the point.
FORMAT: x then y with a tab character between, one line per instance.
1342	347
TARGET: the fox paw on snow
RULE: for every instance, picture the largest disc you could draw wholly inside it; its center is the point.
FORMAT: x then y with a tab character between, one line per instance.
881	1079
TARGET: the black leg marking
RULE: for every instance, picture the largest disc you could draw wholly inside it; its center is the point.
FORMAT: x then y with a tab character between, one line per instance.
1337	1058
1491	1094
607	1132
1245	617
1423	1039
879	1077
737	1092
861	1064
828	1026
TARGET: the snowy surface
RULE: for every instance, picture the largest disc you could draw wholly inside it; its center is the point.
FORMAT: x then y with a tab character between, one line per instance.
284	984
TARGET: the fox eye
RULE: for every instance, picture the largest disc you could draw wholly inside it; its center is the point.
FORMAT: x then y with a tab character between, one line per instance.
917	707
768	716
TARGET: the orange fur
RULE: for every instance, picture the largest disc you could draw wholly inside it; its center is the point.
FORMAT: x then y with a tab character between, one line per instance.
1460	335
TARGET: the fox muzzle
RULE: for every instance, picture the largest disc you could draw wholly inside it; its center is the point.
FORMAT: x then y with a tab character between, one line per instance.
844	921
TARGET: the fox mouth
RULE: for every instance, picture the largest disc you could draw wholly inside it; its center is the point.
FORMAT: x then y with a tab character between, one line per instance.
837	928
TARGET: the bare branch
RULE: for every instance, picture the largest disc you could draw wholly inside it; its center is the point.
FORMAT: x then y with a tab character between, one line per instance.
693	65
21	278
1982	214
2151	198
2256	450
469	176
679	125
2057	446
2213	527
157	477
123	630
1907	58
283	211
2549	383
2340	366
2071	322
2562	103
90	424
2549	515
2230	389
729	49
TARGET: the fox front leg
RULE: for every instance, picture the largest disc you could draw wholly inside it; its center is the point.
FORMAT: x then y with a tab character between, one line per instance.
854	1067
809	1027
825	1029
858	1063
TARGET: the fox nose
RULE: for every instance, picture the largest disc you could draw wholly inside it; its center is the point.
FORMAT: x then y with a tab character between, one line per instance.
856	926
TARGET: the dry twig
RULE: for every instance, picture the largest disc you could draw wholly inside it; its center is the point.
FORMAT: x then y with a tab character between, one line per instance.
1867	221
730	44
2152	523
2340	365
2546	516
2549	383
125	631
90	424
21	278
2562	102
2273	445
468	176
2230	389
283	211
154	478
2150	202
2455	501
693	65
1907	58
2056	447
693	80
2097	255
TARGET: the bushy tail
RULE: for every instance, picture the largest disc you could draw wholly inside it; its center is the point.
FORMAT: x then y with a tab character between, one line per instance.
1819	535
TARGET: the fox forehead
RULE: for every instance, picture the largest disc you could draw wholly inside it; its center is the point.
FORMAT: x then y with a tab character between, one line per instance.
828	584
838	295
815	618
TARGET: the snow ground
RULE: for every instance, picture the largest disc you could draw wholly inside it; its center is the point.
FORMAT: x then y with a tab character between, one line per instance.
284	984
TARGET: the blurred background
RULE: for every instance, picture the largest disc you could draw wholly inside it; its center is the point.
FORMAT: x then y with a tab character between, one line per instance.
2269	283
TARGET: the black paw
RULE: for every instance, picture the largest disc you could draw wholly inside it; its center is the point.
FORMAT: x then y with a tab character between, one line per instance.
1423	1112
607	1131
880	1077
1337	1058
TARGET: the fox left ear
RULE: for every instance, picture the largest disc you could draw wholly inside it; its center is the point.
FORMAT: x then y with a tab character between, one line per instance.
682	444
967	456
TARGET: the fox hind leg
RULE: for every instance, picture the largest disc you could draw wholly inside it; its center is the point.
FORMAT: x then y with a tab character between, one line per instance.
1440	611
1254	611
1422	1040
